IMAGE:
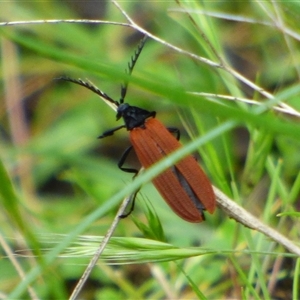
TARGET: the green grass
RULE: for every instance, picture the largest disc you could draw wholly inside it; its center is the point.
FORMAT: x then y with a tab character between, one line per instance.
60	187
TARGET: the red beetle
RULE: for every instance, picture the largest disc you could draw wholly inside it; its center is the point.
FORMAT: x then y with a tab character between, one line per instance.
184	186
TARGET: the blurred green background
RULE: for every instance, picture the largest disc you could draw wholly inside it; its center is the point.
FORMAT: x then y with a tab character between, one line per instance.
55	173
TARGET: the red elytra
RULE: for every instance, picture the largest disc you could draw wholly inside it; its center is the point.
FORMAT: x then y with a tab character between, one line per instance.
151	143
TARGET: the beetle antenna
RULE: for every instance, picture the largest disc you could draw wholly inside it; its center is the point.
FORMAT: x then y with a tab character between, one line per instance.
91	87
131	65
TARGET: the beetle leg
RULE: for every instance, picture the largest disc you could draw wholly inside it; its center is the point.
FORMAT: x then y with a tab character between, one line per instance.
129	170
125	215
110	132
122	161
176	131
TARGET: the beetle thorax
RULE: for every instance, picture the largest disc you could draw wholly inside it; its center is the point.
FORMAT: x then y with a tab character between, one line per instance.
133	116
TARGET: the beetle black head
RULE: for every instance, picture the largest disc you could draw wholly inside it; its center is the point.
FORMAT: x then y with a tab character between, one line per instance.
133	116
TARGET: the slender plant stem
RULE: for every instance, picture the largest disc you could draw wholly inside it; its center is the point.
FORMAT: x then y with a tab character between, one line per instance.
102	246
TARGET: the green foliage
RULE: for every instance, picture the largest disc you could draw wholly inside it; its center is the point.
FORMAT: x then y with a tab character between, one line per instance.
57	178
